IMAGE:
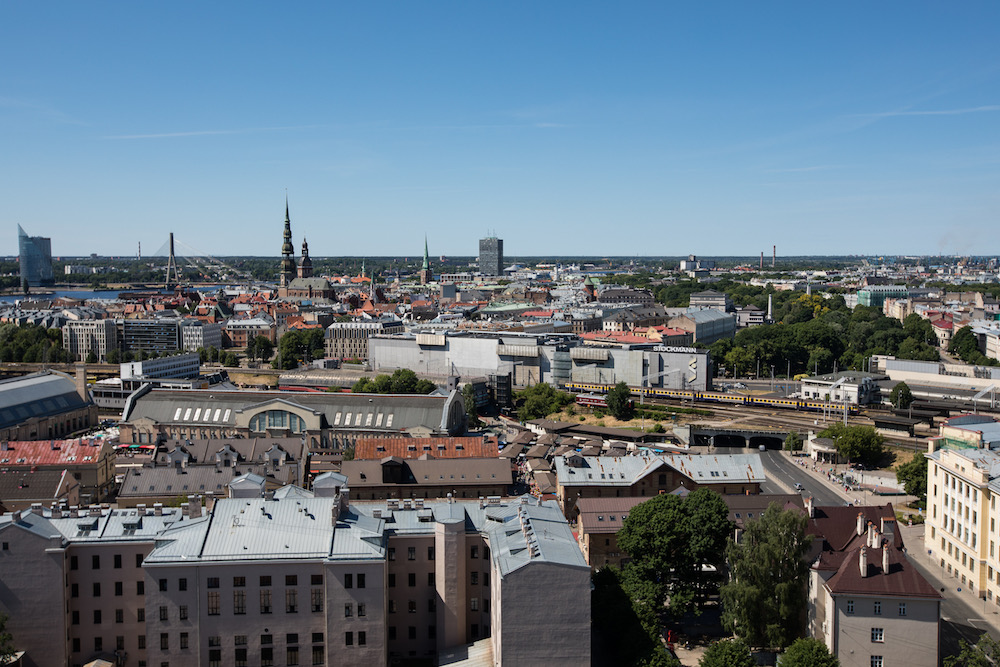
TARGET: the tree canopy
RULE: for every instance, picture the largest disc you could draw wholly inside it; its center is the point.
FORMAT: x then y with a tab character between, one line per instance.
965	346
793	442
540	400
984	653
727	653
808	652
402	381
620	403
6	640
621	637
913	476
764	601
856	443
901	396
669	539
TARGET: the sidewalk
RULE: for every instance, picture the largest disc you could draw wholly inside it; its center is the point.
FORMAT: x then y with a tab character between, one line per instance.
864	496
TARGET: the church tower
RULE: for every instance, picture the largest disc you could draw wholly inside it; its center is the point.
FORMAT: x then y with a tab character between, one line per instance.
305	264
287	260
426	275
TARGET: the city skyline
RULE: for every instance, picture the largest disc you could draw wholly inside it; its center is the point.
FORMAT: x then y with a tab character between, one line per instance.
716	130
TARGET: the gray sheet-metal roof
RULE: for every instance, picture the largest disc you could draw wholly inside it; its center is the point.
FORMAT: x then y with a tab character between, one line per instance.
108	525
37	395
529	533
627	470
211	407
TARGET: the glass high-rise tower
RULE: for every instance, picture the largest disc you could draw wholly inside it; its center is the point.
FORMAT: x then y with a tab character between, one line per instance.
491	256
35	257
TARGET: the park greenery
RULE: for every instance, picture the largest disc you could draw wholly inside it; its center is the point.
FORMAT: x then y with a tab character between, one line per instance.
261	348
728	653
671	539
31	344
984	653
793	442
856	443
965	346
402	381
764	601
540	400
808	652
299	346
913	476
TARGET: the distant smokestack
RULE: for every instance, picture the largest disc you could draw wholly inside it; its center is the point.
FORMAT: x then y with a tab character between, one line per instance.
140	250
774	254
761	259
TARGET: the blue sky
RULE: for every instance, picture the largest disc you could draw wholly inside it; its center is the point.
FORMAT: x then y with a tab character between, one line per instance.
569	128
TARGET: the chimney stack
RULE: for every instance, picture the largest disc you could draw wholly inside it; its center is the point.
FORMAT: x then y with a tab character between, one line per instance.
863	561
194	506
157	509
885	557
861	524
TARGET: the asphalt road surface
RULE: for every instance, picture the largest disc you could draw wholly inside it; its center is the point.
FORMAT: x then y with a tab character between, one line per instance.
783	474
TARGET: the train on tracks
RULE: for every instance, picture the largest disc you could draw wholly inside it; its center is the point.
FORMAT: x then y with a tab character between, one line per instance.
593	390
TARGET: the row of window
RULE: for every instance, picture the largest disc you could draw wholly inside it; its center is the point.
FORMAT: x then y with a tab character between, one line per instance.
877	608
95	561
265	580
120	615
119	643
140	589
240	601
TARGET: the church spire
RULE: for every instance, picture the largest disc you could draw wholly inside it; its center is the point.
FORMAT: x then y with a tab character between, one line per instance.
427	260
425	274
287	251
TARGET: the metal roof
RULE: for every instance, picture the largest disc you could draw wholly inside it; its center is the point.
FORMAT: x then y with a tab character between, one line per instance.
37	395
526	533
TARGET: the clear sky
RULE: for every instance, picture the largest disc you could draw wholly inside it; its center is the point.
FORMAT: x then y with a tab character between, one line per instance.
568	128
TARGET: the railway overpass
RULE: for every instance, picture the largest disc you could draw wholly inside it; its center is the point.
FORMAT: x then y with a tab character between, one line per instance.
711	436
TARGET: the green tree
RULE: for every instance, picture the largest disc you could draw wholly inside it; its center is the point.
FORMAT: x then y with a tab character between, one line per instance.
620	403
230	360
403	381
471	412
670	540
91	358
913	476
361	386
540	400
764	601
808	652
727	653
793	442
114	356
6	641
984	653
856	443
901	396
620	636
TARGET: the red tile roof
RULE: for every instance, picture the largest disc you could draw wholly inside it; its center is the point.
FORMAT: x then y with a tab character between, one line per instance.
51	452
439	448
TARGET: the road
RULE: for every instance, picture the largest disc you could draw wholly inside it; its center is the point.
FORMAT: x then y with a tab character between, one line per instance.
783	474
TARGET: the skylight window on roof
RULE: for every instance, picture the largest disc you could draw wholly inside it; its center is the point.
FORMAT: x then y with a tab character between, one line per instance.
357	420
388	421
347	419
368	419
197	414
378	420
225	417
336	419
187	414
177	413
218	413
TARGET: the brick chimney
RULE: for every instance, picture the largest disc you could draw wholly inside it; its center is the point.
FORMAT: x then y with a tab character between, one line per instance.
81	382
863	561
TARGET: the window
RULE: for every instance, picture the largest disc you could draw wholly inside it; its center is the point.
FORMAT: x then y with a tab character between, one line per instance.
432	632
411	579
74	562
119	588
392	632
317	655
411	632
362	640
411	606
486	578
291	601
474	578
349	580
164	641
239	582
74	590
265	580
316	580
902	609
430	578
97	589
95	562
138	560
392	553
163	584
118	561
267	657
876	661
141	642
265	601
163	613
392	580
348	639
120	643
317	638
291	580
98	643
474	604
292	656
184	640
213	603
430	553
182	612
215	641
431	605
878	635
316	599
348	610
850	606
266	640
361	580
241	657
75	616
215	658
240	640
361	610
213	582
474	552
877	608
182	584
140	614
239	603
475	631
119	615
411	553
292	638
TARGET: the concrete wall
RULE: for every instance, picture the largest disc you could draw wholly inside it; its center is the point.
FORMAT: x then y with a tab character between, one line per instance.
910	640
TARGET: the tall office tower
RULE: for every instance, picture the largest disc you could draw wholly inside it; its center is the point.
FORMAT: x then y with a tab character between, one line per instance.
491	256
35	259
